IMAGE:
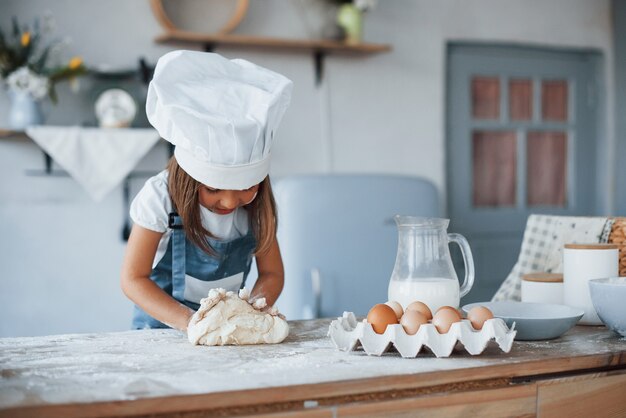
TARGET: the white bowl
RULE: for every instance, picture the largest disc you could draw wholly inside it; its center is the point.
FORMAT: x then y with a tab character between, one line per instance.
608	296
533	321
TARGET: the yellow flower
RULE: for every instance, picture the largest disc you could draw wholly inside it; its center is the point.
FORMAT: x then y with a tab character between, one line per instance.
75	63
25	39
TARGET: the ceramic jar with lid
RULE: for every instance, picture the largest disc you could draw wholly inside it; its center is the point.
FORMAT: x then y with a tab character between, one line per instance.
542	288
581	263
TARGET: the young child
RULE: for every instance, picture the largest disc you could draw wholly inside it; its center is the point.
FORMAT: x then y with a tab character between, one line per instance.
198	224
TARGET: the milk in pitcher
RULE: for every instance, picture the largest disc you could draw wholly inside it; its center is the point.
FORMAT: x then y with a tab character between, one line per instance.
434	292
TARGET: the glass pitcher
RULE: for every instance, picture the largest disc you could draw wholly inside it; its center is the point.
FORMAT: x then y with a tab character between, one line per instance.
423	270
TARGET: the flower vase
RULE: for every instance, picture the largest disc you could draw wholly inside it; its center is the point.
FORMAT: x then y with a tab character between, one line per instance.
350	19
25	110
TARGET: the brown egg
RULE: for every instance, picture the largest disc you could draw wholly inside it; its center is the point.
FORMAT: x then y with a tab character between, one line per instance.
444	318
397	308
452	308
380	316
478	315
412	321
420	307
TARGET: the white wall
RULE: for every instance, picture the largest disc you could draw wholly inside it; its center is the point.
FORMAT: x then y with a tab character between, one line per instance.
61	253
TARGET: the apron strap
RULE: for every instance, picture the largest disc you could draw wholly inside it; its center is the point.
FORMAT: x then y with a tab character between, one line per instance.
179	257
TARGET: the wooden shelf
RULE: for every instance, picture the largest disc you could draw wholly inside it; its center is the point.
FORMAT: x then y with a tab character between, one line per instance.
8	133
322	45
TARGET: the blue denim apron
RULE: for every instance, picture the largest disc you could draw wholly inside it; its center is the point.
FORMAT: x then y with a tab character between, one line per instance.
187	273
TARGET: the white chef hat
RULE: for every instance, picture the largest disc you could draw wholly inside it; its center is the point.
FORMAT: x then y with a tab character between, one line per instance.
220	114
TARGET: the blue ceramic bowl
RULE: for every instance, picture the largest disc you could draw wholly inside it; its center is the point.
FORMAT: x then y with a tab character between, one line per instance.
533	321
609	299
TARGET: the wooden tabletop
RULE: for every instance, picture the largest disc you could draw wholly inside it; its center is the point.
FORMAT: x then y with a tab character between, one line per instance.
159	372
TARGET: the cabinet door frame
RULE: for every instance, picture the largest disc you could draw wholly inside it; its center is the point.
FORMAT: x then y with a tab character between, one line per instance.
495	233
465	60
619	40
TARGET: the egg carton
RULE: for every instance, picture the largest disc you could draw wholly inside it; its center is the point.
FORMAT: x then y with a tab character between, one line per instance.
348	335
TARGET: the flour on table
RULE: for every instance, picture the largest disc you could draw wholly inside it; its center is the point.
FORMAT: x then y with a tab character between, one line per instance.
227	319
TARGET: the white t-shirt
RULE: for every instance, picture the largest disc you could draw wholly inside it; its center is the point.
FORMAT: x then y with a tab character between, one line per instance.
151	208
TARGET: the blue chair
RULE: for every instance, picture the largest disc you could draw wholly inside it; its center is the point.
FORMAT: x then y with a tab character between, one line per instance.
338	238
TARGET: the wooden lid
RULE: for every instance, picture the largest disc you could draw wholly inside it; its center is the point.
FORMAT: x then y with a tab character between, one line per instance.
592	246
543	277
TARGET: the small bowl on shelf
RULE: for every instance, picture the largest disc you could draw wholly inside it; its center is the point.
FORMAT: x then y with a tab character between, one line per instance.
608	296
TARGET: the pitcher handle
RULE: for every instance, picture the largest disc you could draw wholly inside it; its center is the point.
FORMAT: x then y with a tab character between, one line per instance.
468	260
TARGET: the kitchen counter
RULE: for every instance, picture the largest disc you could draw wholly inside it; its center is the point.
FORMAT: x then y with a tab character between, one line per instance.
147	372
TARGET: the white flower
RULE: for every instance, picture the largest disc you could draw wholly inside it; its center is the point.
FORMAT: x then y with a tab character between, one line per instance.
24	80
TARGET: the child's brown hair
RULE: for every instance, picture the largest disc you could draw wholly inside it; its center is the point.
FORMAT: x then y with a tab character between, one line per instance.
184	193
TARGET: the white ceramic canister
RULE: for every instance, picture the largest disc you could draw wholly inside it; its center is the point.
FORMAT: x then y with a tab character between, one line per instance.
542	288
581	263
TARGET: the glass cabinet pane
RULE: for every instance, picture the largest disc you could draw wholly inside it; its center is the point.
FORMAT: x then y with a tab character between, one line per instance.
520	99
546	154
485	97
494	168
554	100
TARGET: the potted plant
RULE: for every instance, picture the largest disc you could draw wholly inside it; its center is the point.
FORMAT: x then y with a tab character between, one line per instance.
27	70
350	18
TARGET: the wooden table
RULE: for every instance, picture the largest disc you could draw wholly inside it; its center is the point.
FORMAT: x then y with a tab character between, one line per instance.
157	372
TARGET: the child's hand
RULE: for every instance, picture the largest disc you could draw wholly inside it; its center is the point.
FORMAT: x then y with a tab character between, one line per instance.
274	312
257	300
259	303
267	309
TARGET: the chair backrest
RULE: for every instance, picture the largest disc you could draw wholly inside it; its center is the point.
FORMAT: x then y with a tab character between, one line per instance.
339	241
